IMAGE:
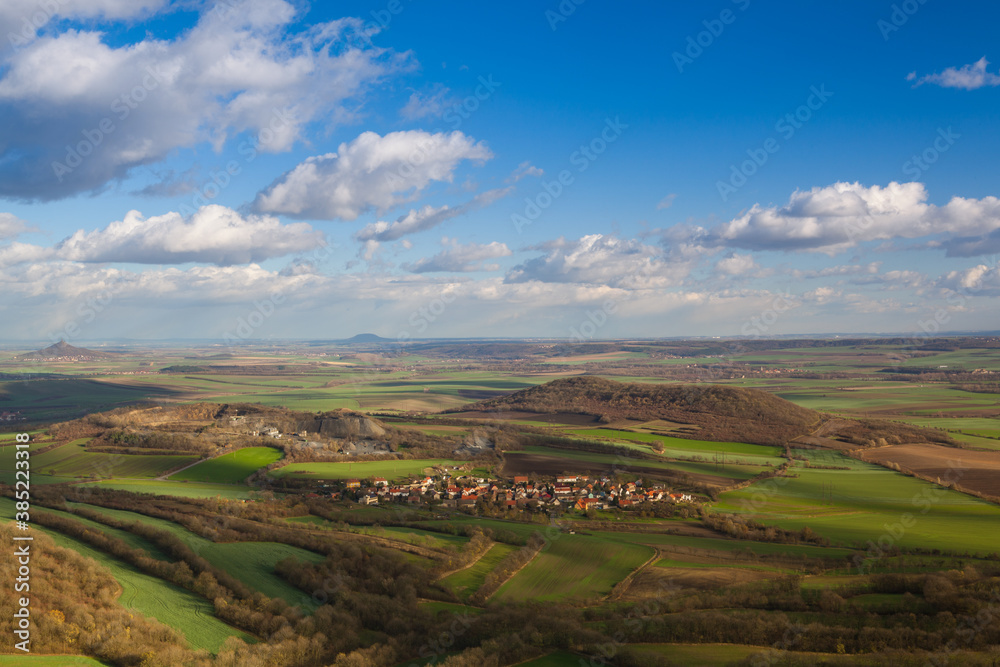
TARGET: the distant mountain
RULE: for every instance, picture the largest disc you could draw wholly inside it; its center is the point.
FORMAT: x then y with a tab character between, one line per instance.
63	350
367	338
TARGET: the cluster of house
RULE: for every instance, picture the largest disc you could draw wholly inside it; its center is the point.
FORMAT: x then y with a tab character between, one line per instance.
8	416
567	491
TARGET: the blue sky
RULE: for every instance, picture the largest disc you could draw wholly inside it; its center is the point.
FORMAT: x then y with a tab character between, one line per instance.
260	170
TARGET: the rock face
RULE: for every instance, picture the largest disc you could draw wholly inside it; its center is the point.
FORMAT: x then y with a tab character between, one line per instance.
347	426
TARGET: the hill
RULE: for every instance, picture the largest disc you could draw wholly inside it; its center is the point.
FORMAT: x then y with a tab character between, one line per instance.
367	338
720	412
63	350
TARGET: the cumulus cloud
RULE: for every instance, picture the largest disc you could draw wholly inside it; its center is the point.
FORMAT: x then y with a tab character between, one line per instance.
840	216
461	258
371	172
11	226
600	259
427	217
966	77
214	234
980	280
736	264
119	107
22	20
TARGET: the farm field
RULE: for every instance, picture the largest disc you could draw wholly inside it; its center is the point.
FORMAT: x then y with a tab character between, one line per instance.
969	470
73	460
134	541
392	470
854	506
575	568
180	489
189	614
231	468
466	582
250	562
554	461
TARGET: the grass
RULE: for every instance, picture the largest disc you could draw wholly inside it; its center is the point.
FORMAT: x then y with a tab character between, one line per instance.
231	468
179	489
73	460
134	541
622	463
250	562
394	469
574	568
466	582
869	502
189	614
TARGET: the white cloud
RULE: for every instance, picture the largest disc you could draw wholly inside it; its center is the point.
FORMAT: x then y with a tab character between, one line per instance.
22	20
371	172
966	77
840	216
666	202
11	226
600	259
427	217
121	107
980	280
461	258
736	264
524	169
214	234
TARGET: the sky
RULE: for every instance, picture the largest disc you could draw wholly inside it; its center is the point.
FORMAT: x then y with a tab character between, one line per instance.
254	170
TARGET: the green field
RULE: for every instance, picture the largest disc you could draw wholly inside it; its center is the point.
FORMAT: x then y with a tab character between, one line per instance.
189	614
73	460
575	568
466	582
393	470
180	489
250	562
231	468
624	463
867	502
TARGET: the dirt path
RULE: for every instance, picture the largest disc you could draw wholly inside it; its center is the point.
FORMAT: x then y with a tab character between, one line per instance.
164	476
623	585
466	567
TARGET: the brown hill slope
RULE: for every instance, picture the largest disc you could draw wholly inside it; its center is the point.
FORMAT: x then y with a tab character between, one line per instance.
721	412
63	350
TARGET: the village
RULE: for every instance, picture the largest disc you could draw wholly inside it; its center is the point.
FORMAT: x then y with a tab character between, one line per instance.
453	489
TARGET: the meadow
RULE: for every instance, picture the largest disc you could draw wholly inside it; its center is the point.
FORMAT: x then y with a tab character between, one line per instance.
180	489
575	568
866	503
466	582
231	468
73	460
250	562
190	614
394	469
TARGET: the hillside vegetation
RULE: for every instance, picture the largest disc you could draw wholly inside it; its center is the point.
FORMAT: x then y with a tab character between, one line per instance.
721	412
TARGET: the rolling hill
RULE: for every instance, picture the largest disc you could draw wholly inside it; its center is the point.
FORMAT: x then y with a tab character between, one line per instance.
720	412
